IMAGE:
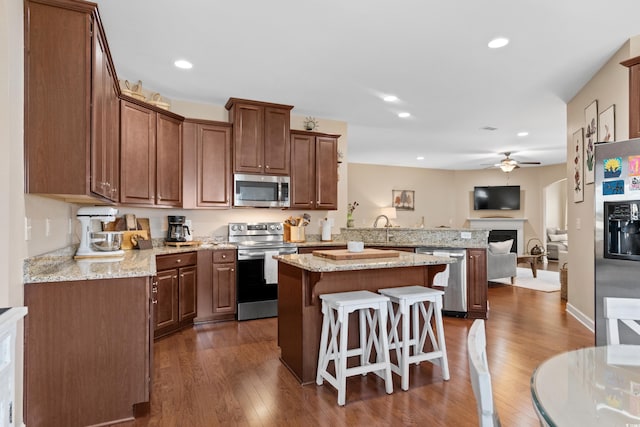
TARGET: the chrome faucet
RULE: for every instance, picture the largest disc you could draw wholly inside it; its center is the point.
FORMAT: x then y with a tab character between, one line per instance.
375	223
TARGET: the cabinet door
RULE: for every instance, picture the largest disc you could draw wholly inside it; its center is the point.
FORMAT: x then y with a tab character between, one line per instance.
166	309
187	293
224	288
277	151
168	165
248	135
326	173
214	166
137	154
303	171
105	162
477	283
634	101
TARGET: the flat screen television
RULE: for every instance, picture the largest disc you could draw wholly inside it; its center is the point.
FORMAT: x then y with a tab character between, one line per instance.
505	197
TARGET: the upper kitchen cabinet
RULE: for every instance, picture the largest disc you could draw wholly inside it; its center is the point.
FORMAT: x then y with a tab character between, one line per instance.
634	96
260	136
150	155
207	164
71	110
314	170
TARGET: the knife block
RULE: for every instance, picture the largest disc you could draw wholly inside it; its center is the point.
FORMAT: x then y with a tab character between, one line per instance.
294	234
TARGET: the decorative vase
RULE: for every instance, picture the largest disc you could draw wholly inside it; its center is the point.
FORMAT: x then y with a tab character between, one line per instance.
350	222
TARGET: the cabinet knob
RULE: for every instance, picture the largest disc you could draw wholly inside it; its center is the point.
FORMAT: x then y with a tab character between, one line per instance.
259	166
233	269
223	256
155	301
267	166
178	261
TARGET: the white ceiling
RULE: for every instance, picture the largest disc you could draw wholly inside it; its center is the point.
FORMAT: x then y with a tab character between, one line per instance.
335	59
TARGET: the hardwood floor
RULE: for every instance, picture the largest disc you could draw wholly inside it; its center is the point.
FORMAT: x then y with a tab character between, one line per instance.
229	374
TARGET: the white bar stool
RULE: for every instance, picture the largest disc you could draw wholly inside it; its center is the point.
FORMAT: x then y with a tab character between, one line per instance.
372	310
412	298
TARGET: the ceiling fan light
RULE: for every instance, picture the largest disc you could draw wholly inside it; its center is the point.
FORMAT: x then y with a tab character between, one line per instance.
507	166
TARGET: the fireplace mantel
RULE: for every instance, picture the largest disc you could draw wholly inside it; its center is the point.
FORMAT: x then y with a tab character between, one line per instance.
502	224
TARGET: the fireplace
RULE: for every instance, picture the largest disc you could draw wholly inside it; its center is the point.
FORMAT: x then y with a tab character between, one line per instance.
503	224
502	235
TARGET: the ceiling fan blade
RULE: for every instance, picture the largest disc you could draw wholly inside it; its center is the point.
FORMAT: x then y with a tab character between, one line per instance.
529	163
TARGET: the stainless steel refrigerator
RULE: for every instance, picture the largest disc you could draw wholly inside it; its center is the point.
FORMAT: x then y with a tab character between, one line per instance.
617	229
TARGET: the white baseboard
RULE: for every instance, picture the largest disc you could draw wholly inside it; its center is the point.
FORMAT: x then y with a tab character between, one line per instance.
581	317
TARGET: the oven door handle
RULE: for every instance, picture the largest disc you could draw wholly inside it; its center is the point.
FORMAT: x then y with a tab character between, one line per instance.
250	255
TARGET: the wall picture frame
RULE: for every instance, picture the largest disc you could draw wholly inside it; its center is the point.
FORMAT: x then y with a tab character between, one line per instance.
590	138
578	165
607	125
403	200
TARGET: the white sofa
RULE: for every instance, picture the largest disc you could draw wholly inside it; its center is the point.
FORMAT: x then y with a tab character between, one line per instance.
557	242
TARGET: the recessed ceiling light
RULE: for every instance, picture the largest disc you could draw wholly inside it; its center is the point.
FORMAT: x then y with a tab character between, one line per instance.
498	42
404	115
390	98
185	65
523	133
420	158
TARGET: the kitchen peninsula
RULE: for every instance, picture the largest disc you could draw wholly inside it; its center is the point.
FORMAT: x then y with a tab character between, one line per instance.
303	277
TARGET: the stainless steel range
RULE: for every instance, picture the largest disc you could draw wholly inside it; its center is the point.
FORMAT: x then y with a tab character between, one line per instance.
257	272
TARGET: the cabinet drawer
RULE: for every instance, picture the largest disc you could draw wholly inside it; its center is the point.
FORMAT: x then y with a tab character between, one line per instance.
225	255
166	262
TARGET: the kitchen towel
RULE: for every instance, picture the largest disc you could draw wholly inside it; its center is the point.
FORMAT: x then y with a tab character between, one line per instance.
441	279
270	267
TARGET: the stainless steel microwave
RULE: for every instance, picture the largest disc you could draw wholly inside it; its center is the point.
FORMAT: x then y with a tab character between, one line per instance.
262	191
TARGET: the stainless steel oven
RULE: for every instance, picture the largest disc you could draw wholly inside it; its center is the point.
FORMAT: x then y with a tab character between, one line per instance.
257	271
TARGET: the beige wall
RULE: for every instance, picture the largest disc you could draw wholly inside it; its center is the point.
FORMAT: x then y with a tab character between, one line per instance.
609	86
445	197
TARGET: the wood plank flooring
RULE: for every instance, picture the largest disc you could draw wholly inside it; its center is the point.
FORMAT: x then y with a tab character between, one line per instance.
229	374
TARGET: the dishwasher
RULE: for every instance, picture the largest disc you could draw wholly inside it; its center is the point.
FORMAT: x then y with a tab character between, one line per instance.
455	293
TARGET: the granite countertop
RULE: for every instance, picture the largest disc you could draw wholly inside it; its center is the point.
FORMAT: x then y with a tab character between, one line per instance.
60	266
323	265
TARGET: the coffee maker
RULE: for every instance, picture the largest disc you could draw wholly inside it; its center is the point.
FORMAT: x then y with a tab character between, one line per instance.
177	230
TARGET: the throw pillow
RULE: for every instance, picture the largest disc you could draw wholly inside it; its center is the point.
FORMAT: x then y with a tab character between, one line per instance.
501	247
558	237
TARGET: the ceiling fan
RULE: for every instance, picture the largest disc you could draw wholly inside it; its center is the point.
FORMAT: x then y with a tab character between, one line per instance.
508	164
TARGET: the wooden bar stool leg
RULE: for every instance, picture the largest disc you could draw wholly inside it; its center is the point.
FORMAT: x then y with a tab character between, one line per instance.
405	312
324	345
441	341
341	367
383	340
364	342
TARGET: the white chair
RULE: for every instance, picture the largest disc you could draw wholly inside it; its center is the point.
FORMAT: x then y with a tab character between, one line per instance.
624	310
372	310
407	337
480	377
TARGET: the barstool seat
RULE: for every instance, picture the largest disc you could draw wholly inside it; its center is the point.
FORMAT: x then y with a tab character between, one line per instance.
372	309
409	342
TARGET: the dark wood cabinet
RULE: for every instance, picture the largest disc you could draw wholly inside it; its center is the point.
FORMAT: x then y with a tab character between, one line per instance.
176	296
477	283
207	164
216	285
260	136
70	120
634	96
88	351
314	170
150	156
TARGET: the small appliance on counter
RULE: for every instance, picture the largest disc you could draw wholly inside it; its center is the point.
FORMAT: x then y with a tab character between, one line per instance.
98	243
177	229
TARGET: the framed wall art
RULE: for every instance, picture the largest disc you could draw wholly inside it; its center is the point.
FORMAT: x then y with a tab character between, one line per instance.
578	154
403	200
590	138
607	125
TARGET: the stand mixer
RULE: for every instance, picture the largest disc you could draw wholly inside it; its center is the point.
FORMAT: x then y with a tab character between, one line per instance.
108	244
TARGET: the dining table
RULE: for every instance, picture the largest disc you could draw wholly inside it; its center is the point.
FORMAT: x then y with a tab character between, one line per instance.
591	386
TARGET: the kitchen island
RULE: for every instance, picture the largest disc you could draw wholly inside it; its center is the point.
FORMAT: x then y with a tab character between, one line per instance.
302	278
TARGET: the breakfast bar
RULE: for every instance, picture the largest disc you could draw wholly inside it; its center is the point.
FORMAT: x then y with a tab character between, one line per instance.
303	277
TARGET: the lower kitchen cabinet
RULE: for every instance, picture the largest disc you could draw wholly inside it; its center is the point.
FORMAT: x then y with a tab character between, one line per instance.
176	292
216	285
88	350
477	283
